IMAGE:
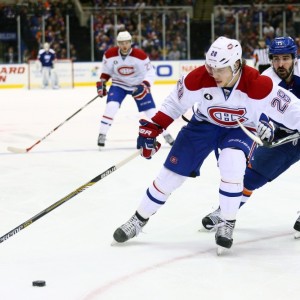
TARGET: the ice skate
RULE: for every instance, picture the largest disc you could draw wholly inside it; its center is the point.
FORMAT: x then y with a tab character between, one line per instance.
129	230
224	235
297	228
210	221
168	138
101	140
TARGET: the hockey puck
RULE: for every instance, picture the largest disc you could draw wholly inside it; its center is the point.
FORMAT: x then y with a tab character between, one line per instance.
39	283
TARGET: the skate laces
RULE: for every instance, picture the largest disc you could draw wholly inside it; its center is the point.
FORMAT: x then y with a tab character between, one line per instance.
215	218
225	228
102	137
298	213
133	227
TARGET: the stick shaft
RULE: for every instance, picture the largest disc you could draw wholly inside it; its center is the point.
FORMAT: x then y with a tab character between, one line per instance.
273	144
68	197
16	150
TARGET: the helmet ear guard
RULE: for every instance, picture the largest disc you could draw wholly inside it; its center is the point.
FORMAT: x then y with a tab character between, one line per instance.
283	45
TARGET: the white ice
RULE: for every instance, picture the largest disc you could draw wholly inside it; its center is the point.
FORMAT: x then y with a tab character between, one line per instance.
69	247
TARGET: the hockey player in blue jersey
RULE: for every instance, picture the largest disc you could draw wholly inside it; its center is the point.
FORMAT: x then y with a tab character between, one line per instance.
47	57
266	164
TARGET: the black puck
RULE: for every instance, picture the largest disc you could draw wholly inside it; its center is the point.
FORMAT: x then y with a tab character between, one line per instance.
39	283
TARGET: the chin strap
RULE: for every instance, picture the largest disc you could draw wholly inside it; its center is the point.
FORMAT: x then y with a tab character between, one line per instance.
233	77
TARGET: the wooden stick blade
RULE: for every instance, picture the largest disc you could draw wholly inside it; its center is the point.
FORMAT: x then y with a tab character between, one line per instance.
16	150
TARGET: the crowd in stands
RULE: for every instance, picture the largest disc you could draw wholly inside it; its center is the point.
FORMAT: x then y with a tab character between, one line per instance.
53	12
136	3
248	20
151	32
32	13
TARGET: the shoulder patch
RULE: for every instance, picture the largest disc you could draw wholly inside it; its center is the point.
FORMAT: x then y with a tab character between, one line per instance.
138	53
112	52
199	78
256	86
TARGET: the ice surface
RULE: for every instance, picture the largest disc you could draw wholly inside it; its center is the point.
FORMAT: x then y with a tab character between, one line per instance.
70	247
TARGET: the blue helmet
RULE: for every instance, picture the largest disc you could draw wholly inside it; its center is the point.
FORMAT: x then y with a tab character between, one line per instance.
283	45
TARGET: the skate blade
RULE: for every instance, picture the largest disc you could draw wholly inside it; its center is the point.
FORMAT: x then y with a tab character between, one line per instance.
114	243
203	229
297	235
221	250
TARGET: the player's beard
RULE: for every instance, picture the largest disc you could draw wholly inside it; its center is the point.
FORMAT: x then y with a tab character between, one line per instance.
283	73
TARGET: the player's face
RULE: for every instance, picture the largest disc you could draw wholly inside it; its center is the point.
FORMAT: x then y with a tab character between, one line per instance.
124	46
222	76
283	65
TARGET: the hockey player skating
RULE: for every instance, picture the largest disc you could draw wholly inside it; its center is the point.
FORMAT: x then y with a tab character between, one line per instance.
47	57
266	164
222	91
131	73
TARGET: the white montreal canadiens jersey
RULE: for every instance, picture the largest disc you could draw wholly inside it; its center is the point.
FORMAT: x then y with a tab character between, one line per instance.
128	72
251	96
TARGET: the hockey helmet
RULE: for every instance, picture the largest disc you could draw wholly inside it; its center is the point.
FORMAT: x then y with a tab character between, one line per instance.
283	45
124	36
224	52
46	46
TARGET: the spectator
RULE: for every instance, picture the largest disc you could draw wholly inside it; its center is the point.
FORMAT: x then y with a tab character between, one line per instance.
174	53
10	56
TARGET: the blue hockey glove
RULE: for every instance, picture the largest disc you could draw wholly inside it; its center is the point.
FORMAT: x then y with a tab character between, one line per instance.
141	90
101	88
146	141
265	128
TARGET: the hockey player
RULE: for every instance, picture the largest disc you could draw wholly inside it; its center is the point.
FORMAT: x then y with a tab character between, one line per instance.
222	91
266	164
132	74
47	58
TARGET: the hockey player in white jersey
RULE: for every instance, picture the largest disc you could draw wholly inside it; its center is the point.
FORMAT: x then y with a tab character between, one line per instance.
266	164
222	91
131	73
47	57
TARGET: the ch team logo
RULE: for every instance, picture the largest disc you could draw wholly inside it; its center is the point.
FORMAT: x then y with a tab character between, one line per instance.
126	70
227	116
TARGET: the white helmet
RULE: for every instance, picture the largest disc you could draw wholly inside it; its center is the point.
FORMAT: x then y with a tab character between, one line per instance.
124	36
46	46
224	52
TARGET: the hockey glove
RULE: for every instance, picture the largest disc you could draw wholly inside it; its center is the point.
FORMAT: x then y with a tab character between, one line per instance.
265	129
141	90
101	88
146	141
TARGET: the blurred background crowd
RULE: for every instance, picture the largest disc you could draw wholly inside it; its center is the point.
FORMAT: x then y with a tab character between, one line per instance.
165	29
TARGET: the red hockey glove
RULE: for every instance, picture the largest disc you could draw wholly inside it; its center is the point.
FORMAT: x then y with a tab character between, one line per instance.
101	88
265	128
141	90
146	141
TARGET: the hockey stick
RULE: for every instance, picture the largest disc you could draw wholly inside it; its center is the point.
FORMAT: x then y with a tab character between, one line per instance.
273	144
68	197
22	150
